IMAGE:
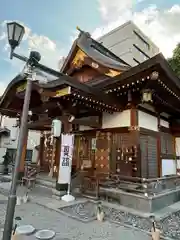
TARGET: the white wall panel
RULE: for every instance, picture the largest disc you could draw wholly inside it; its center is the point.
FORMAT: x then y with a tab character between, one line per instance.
164	123
116	119
147	121
168	167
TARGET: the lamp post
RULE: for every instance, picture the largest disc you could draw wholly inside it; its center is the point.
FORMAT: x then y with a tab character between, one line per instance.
15	35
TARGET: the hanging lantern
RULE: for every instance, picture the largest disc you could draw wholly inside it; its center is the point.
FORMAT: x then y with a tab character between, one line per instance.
147	95
14	133
56	128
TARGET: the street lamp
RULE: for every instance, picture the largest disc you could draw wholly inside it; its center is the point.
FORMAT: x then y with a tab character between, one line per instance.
15	35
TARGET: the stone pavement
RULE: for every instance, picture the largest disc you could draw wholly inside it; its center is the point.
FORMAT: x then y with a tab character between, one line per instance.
40	213
65	227
43	212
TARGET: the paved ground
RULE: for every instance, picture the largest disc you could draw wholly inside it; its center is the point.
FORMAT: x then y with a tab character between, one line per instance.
44	217
65	227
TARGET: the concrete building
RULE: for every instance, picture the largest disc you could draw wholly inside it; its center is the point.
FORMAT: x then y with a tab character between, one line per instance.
130	44
6	144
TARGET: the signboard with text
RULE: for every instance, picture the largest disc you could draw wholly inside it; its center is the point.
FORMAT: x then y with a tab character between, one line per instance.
67	145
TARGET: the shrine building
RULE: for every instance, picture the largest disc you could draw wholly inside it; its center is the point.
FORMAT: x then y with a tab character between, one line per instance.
125	119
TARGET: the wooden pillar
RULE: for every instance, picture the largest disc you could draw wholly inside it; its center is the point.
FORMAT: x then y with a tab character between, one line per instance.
159	161
1	118
57	156
67	126
41	150
135	140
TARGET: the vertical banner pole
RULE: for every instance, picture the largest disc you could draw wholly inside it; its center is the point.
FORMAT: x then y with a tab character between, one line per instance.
67	146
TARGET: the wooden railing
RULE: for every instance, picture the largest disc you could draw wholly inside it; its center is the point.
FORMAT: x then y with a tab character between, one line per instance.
90	187
142	186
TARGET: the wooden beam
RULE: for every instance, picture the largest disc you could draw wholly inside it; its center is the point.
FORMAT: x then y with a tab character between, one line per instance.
46	122
41	150
44	106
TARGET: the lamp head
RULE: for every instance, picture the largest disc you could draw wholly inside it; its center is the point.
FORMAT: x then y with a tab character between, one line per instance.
15	35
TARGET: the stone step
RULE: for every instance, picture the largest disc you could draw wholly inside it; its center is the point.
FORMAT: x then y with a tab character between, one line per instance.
46	183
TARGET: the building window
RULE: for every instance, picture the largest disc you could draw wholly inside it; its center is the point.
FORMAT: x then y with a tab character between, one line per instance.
135	60
143	54
166	143
142	40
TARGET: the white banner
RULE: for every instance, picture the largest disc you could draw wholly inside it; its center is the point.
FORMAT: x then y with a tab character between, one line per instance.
67	145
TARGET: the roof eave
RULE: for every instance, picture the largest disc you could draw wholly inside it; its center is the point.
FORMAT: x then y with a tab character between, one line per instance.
63	68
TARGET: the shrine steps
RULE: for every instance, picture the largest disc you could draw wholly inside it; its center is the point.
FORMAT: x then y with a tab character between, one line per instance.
49	184
46	183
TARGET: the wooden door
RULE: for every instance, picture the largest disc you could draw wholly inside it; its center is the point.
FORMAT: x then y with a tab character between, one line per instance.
149	158
103	143
119	163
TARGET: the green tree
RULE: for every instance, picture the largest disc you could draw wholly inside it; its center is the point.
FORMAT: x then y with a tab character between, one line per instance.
174	62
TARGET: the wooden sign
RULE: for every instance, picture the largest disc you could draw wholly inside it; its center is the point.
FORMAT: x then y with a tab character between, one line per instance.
63	92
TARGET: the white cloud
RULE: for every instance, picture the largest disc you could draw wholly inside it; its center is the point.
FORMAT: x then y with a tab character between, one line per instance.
160	25
49	50
110	9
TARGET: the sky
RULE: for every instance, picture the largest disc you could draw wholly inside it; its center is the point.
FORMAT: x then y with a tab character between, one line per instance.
51	26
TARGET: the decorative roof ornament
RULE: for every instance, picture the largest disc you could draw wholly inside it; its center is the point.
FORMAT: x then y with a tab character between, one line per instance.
154	75
82	32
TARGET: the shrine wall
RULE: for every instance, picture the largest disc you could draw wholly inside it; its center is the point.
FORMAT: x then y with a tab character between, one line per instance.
35	156
150	122
147	121
116	119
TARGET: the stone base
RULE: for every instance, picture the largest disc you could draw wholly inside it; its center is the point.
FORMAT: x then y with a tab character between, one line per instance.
141	202
61	187
58	194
